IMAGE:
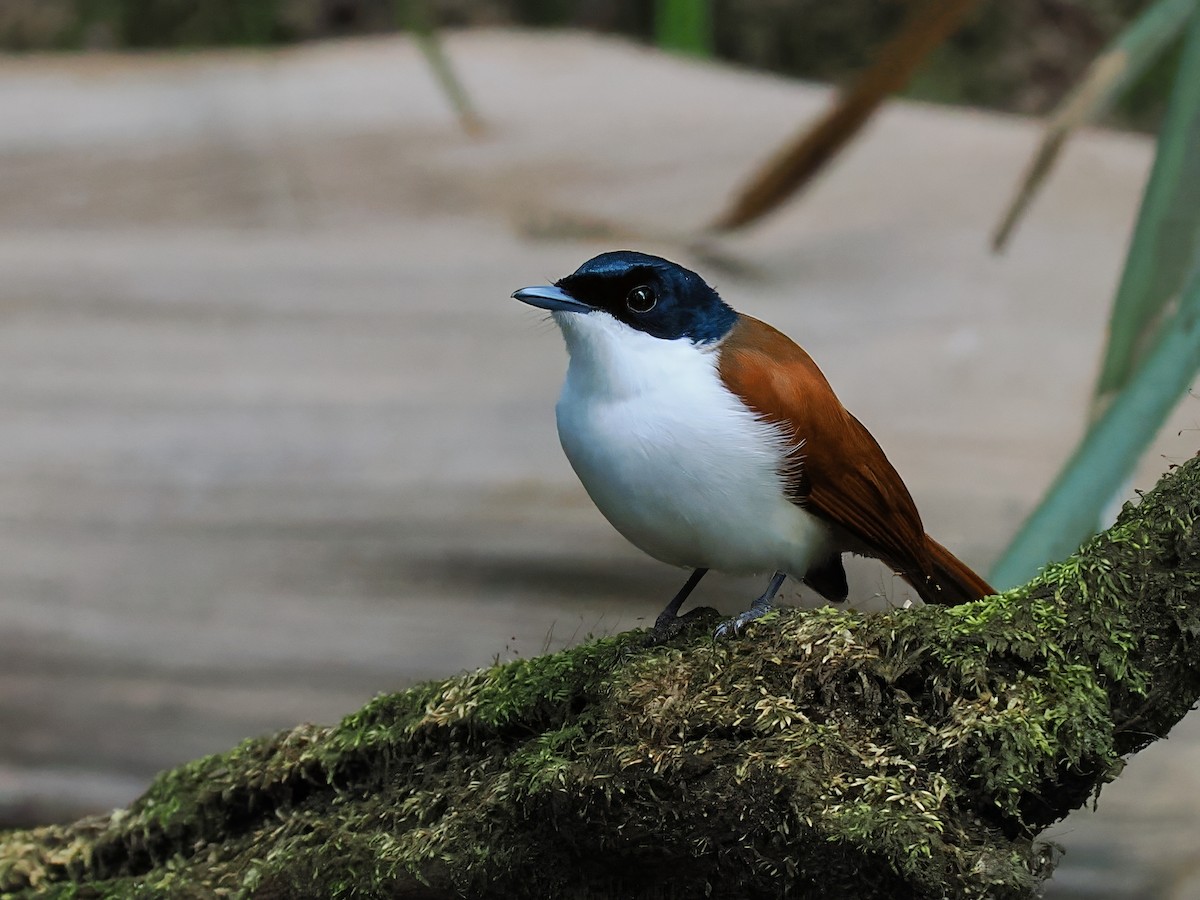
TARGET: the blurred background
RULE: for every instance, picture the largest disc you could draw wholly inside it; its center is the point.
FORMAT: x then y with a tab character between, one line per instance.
276	440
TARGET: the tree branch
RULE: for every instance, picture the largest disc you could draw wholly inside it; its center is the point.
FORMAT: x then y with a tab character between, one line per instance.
915	753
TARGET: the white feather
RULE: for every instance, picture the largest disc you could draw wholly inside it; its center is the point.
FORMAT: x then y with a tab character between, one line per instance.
673	459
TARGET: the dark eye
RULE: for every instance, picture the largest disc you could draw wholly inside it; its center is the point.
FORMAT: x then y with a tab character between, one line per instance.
641	299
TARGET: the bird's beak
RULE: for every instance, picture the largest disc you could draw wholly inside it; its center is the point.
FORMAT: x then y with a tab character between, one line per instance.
547	296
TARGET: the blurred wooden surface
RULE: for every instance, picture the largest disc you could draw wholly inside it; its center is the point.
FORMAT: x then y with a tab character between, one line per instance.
275	439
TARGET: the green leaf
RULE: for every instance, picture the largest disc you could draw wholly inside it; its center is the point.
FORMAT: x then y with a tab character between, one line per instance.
1167	235
1070	511
1148	366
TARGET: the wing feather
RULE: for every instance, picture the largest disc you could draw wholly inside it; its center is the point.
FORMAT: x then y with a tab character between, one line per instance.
837	471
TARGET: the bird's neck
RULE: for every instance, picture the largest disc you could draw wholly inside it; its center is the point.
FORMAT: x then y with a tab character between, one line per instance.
610	360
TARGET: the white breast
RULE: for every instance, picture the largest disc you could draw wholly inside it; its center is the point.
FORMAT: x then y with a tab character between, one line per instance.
675	461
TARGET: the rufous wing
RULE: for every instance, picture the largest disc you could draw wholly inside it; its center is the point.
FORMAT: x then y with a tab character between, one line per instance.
840	474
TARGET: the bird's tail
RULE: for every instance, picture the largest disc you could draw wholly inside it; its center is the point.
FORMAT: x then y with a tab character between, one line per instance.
951	581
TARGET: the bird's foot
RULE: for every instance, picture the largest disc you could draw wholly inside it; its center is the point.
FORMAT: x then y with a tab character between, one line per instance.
733	627
668	626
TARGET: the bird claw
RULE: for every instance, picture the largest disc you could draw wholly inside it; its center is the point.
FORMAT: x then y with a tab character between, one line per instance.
668	627
662	632
734	626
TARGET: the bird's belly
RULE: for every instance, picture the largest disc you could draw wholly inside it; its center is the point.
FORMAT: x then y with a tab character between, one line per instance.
693	484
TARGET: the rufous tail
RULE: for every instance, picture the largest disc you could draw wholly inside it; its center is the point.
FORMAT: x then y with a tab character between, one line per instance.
951	581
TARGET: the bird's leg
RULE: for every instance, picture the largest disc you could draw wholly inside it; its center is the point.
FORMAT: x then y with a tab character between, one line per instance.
758	608
668	617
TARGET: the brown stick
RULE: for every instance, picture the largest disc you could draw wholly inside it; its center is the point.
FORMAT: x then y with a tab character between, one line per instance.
794	165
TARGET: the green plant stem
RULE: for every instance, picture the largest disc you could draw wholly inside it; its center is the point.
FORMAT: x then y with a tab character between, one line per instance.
1109	76
418	18
684	26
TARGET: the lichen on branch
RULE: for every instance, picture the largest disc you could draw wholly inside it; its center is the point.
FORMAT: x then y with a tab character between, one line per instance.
825	753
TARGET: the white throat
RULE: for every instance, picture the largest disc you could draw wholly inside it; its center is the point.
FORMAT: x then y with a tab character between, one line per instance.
608	357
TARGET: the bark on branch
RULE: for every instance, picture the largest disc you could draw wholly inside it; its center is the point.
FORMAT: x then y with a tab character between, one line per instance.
916	753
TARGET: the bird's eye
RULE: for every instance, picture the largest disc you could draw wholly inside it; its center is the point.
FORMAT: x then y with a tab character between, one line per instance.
641	299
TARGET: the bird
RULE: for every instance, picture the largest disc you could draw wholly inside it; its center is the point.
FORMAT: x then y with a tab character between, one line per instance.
712	441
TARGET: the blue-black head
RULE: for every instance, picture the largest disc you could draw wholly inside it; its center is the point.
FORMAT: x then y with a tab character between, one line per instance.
649	293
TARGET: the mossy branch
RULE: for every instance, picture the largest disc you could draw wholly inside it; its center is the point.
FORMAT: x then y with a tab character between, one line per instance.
915	753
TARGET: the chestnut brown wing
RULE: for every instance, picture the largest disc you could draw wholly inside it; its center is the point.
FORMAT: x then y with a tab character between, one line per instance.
840	473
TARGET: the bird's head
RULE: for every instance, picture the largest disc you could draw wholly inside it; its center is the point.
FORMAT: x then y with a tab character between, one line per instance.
644	293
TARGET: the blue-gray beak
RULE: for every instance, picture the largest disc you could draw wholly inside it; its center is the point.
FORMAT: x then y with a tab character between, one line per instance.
547	296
